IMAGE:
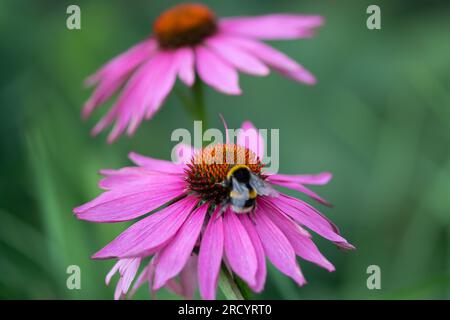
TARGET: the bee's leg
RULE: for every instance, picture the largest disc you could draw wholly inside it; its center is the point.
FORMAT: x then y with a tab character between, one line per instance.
251	214
223	207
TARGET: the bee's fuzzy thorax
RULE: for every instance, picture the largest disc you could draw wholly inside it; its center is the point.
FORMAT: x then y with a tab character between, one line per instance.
209	168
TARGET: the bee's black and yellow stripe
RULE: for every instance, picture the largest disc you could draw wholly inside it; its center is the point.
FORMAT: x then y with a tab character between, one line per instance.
236	168
250	202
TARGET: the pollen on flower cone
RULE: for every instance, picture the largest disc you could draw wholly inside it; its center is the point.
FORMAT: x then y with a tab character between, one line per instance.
209	167
184	24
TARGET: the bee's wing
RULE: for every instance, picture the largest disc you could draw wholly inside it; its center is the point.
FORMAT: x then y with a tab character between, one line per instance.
262	187
239	195
240	190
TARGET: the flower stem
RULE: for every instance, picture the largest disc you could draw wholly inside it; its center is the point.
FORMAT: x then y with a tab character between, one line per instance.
199	102
228	286
195	102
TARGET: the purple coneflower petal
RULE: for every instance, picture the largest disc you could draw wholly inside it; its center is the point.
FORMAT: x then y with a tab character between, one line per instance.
309	217
150	232
272	27
259	250
174	256
274	59
237	57
299	187
127	272
141	280
239	249
210	257
155	164
114	73
188	280
302	244
113	271
216	72
174	286
184	153
118	293
186	68
277	247
124	204
132	177
143	93
315	179
249	137
155	90
124	107
188	277
166	82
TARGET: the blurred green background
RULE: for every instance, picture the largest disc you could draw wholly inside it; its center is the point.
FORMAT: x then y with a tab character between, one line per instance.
379	119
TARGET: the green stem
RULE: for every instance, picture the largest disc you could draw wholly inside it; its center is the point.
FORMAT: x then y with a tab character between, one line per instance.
199	102
195	102
228	286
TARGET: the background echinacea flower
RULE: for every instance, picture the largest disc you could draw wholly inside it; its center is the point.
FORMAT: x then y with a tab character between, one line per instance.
187	40
195	232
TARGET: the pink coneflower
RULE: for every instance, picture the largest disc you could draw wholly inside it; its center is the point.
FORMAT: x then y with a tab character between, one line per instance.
197	223
189	39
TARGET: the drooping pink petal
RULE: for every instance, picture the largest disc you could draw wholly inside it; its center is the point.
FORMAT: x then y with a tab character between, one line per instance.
299	187
277	247
187	280
166	82
249	137
174	286
127	272
273	58
302	244
315	179
143	94
113	271
155	164
114	73
188	277
259	250
239	249
237	57
186	68
131	177
123	108
272	27
216	72
118	293
141	280
183	153
210	257
309	217
157	89
175	255
130	98
149	233
129	202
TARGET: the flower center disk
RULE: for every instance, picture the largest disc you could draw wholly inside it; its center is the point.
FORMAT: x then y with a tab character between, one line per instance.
184	25
209	167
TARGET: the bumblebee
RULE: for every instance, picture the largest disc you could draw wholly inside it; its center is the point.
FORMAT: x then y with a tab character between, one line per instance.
244	187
